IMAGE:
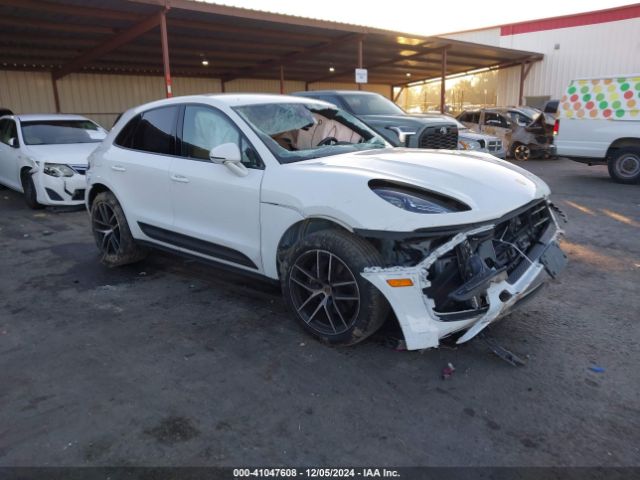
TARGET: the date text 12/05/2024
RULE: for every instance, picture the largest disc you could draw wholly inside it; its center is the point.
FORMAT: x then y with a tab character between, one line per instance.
315	472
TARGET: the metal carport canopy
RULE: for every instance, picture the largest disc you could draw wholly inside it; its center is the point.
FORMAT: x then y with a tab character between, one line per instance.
124	36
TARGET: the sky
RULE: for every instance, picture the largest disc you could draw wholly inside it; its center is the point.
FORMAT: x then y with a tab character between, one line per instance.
424	17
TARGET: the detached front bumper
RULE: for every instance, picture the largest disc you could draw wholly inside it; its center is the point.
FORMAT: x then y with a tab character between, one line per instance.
423	326
60	190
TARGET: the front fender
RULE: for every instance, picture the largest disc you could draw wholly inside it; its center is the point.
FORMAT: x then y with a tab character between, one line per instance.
275	221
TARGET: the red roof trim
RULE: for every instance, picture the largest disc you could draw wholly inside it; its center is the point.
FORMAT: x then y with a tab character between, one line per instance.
577	20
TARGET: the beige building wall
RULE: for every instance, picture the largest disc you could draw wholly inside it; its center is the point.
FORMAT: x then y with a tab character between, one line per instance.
103	97
26	92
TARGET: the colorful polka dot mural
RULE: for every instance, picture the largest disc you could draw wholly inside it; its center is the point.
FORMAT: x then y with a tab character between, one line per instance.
607	98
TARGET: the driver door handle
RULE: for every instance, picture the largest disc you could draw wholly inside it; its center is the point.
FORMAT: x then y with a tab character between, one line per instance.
179	178
118	168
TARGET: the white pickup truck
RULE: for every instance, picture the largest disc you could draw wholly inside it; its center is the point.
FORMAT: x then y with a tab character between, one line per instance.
599	123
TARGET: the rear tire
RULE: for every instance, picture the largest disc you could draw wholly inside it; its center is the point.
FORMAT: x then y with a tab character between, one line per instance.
624	166
521	152
322	286
30	192
112	234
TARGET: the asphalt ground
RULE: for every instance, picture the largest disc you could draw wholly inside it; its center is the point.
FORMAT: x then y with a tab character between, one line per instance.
171	362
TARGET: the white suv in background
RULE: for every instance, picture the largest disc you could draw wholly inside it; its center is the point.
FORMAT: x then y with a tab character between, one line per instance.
300	192
45	156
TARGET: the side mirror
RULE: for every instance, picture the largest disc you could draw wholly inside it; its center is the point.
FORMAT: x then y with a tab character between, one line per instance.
228	154
13	142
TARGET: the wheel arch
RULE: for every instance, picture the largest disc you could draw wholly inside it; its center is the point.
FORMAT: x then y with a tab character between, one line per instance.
301	229
96	189
24	170
622	143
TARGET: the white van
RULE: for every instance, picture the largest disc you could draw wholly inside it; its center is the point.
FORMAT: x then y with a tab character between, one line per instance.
599	123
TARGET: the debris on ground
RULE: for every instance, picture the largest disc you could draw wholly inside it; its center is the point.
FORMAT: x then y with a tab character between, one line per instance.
501	352
596	369
142	274
447	372
47	232
26	235
397	344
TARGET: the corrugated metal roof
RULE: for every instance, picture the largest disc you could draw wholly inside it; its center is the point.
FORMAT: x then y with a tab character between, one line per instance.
236	42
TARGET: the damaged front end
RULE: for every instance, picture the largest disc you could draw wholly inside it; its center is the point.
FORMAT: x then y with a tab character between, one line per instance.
442	281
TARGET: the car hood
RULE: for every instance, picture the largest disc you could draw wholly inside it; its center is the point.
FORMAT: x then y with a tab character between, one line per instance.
69	154
403	120
337	187
471	135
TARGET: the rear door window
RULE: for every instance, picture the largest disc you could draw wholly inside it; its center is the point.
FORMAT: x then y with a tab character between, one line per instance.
153	131
493	119
470	117
519	118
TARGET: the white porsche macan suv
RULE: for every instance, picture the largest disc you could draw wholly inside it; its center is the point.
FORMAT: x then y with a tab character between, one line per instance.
300	192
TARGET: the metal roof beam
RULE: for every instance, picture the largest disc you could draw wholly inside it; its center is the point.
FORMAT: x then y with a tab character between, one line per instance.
8	21
371	68
293	57
499	66
120	39
77	10
258	32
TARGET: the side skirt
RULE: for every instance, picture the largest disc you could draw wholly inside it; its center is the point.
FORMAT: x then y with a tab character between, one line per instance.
212	263
197	245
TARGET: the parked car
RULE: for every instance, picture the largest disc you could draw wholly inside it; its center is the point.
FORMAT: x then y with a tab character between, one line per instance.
523	130
45	156
390	121
361	104
599	123
478	142
300	192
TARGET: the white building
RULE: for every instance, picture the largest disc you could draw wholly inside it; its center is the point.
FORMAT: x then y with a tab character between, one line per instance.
604	42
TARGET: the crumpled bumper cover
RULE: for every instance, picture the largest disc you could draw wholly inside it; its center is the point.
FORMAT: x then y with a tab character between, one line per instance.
61	190
421	326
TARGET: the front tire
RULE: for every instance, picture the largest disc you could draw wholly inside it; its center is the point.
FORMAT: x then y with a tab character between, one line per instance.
624	166
111	232
322	286
30	192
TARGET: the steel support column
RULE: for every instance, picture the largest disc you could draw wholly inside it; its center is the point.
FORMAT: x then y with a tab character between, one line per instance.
395	99
360	60
56	96
443	80
525	68
165	54
281	79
